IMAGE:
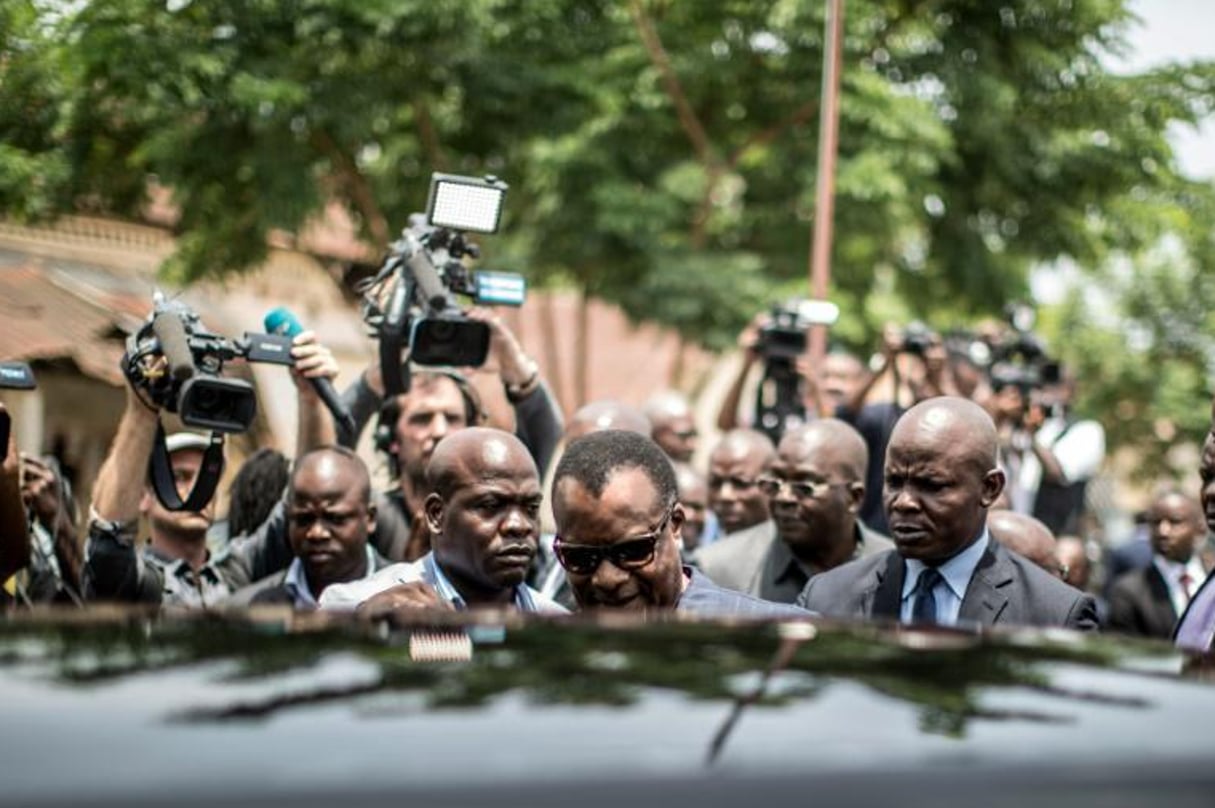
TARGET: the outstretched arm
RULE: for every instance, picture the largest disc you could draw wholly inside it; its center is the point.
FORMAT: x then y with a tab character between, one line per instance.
14	534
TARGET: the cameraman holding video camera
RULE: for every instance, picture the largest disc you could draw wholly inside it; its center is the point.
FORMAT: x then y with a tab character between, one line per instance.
175	567
440	402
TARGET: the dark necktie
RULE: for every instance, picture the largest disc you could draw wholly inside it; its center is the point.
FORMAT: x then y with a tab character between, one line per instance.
1187	585
923	604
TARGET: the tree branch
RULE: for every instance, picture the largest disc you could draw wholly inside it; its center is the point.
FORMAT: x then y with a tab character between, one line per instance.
428	134
770	134
353	185
691	124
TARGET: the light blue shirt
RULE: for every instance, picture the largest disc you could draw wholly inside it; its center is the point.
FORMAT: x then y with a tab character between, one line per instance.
433	575
296	582
948	595
347	597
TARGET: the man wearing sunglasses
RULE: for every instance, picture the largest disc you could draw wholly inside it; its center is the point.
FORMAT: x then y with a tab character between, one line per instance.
618	516
815	487
483	514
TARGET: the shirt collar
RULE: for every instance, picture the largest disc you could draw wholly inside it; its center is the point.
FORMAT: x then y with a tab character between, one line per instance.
957	571
179	567
297	586
787	566
433	575
1171	570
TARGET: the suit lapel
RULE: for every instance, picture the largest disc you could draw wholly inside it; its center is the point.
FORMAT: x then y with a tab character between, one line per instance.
984	602
1160	602
886	592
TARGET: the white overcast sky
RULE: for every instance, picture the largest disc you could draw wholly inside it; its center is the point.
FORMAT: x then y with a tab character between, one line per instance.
1172	31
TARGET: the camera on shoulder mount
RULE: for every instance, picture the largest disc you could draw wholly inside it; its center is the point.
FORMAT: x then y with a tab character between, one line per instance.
177	363
778	399
411	301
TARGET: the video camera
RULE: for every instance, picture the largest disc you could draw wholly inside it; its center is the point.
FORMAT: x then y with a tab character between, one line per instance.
13	376
410	301
177	364
1020	360
778	400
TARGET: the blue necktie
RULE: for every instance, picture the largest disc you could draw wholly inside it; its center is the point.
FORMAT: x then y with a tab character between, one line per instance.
923	604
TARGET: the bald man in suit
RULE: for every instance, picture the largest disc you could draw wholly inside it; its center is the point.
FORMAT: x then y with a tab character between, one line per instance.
941	476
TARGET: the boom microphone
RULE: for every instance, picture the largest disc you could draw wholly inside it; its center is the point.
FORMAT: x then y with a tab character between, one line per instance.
281	321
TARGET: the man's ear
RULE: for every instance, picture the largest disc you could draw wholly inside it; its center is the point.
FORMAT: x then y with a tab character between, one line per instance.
993	485
856	490
147	500
371	512
433	508
678	517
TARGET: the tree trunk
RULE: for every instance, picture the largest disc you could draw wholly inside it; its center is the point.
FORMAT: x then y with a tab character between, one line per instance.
582	350
555	374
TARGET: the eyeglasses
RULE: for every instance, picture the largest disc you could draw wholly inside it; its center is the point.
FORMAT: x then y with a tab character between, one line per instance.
737	483
805	489
635	553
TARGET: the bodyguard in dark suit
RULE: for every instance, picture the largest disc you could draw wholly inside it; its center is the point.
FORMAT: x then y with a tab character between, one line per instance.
941	476
1148	602
330	516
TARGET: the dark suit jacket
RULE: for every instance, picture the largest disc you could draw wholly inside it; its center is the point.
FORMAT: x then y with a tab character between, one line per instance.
1140	605
1005	590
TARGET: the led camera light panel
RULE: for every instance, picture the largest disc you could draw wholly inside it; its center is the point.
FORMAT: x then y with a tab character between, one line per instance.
465	203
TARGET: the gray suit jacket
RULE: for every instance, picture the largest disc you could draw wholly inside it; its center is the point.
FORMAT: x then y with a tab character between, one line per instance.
754	561
1006	590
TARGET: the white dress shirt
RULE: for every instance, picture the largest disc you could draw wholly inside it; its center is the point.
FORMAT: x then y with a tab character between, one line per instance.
948	595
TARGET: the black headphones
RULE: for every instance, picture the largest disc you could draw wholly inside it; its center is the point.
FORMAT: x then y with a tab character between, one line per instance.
390	411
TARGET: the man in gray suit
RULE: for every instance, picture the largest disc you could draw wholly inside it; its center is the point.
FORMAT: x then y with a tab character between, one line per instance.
815	487
941	476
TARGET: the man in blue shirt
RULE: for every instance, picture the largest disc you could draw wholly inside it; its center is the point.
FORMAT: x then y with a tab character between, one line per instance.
941	476
483	514
619	519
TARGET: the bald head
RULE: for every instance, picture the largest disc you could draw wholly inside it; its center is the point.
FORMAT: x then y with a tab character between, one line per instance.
828	438
477	453
941	477
333	465
666	405
1025	536
950	422
673	427
606	414
1073	558
734	470
739	443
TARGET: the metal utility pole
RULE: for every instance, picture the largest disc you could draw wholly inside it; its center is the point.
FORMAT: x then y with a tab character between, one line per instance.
828	146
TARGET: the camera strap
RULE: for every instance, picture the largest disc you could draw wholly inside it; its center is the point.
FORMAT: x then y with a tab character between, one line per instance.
394	338
165	486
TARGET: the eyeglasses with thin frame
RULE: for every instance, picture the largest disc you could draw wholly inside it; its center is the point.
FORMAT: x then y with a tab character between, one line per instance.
631	554
803	489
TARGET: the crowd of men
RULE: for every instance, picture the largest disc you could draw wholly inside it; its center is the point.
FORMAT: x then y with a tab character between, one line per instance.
913	490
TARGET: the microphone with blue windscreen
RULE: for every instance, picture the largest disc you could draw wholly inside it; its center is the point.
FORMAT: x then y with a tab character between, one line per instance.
282	322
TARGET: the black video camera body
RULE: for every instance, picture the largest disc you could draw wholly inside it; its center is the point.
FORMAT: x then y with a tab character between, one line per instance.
410	301
177	364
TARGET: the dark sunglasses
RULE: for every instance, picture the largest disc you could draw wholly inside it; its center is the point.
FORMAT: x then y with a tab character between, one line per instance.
635	553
